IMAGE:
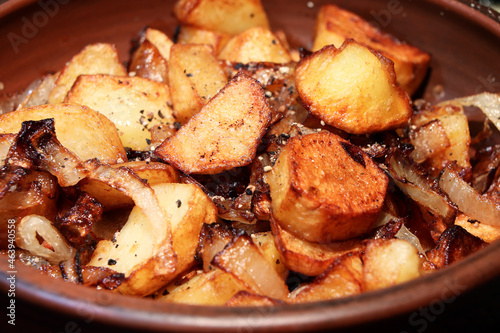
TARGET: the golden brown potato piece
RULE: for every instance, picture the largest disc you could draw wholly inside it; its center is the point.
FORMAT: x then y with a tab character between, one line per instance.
98	58
343	278
85	132
352	88
224	134
132	252
148	63
487	233
192	35
255	45
245	298
195	76
24	193
265	243
325	189
309	258
334	25
244	259
160	40
133	104
230	17
215	287
111	199
456	127
388	262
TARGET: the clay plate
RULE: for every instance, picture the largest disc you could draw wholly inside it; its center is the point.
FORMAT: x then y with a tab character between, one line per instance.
465	46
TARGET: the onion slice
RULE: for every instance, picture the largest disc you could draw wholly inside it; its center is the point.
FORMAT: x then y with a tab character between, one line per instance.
26	238
470	202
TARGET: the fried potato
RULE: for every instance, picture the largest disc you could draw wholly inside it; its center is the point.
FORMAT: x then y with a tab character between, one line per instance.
195	76
192	35
148	63
152	172
224	134
343	278
215	287
325	189
487	233
245	298
388	262
456	127
133	104
265	243
230	17
255	45
132	251
98	58
244	259
352	88
309	258
85	132
334	25
160	40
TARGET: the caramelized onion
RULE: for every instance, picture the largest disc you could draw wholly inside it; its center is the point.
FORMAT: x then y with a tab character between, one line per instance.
470	202
26	238
489	103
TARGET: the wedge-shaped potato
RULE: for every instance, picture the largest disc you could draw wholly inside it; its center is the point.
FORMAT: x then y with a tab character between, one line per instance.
132	252
85	132
133	104
352	88
244	259
388	262
98	58
160	40
265	243
192	35
152	172
230	17
224	134
325	189
343	278
23	193
255	45
456	127
195	76
148	63
309	258
215	287
245	298
487	233
334	25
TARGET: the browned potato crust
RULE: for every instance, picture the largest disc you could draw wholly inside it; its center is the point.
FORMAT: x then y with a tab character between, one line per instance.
224	134
352	88
334	25
325	189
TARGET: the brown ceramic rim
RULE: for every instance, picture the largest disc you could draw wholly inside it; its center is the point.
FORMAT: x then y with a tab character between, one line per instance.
132	312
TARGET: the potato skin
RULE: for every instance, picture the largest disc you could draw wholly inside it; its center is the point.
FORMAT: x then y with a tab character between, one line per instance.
325	189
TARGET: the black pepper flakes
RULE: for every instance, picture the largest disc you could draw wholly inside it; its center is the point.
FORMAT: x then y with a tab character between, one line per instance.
111	262
179	203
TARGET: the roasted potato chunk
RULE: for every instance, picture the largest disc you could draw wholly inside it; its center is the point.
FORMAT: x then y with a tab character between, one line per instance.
133	104
487	233
265	243
132	251
224	134
215	287
230	17
192	35
255	45
334	25
98	58
388	262
152	172
325	189
85	132
195	76
343	278
306	257
352	88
